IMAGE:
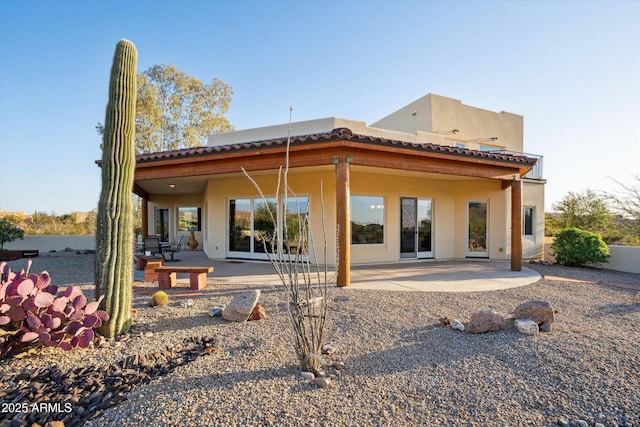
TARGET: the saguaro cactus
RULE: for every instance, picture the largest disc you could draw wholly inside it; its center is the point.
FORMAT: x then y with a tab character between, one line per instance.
114	231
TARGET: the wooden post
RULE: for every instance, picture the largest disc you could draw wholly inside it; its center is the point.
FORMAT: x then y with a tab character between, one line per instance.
145	218
343	221
516	225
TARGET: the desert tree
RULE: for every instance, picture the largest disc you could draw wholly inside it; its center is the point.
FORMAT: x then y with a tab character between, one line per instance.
587	211
176	110
626	202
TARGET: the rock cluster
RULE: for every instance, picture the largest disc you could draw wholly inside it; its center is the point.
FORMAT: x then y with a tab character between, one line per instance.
529	318
330	371
75	397
540	262
539	312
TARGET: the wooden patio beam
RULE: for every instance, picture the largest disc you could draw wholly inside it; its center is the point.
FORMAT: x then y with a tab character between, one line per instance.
314	155
138	190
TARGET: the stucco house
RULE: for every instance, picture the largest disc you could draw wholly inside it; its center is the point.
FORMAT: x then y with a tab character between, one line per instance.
436	179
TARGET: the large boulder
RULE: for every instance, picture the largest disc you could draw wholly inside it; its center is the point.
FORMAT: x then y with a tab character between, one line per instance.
485	321
241	307
538	311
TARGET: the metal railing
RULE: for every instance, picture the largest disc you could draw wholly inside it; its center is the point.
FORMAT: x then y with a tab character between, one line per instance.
536	171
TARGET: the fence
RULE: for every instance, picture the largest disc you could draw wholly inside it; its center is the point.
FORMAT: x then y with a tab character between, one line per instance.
52	243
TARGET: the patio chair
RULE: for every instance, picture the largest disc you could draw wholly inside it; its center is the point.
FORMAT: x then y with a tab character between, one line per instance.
139	246
152	244
173	249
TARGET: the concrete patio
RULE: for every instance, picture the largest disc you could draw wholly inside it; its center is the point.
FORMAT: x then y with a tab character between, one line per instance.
422	276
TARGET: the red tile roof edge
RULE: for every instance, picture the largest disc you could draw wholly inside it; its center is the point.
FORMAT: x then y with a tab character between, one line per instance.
335	134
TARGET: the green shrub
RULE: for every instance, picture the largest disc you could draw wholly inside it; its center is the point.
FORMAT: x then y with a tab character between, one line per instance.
575	247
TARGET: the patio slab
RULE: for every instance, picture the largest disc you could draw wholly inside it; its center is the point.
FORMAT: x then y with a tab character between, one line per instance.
421	276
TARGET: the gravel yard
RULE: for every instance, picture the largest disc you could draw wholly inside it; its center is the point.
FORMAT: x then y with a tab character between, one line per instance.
402	367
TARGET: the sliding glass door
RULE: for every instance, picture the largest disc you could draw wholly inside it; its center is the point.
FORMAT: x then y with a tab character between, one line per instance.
239	227
477	229
251	228
415	228
162	223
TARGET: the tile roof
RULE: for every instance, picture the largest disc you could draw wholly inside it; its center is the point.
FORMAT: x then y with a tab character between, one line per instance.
335	135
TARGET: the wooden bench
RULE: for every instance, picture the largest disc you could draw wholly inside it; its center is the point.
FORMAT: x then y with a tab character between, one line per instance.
150	274
197	276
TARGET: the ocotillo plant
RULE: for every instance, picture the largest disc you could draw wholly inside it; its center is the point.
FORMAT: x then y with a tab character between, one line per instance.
305	285
114	229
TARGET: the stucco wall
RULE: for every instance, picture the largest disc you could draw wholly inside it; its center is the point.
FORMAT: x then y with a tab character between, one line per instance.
533	196
624	258
435	113
366	182
476	123
53	243
449	198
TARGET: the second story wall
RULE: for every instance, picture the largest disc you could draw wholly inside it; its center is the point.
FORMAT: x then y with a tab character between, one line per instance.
474	126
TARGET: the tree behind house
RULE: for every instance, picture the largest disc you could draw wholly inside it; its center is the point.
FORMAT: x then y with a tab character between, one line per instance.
176	110
585	211
626	202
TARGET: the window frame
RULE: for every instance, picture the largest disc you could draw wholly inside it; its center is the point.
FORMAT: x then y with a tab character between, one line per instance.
381	207
531	220
198	226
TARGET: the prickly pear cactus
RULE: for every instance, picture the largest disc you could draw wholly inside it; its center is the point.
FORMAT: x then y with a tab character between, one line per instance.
114	231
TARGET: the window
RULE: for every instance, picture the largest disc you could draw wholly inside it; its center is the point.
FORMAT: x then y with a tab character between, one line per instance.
367	220
527	221
489	148
251	227
189	219
459	144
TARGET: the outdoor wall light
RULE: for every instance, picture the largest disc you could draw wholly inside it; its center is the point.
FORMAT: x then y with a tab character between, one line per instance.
493	138
172	186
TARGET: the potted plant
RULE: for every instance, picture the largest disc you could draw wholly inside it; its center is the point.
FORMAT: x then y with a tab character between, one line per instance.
193	243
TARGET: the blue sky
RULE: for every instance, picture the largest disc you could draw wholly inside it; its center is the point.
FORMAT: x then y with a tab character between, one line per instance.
572	69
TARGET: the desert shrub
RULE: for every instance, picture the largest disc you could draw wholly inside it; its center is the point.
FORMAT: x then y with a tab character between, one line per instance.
305	280
33	313
9	232
159	299
575	247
